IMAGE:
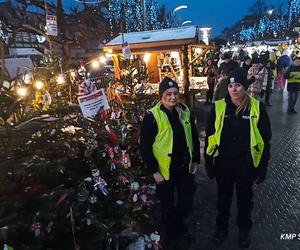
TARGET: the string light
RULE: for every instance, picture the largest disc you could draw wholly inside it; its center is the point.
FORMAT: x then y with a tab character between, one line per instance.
39	84
22	91
147	57
60	79
95	64
103	59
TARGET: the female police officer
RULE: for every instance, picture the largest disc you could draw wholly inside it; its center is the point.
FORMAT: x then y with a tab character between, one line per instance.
170	149
237	151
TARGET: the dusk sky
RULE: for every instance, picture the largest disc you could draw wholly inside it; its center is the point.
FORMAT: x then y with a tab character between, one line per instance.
217	14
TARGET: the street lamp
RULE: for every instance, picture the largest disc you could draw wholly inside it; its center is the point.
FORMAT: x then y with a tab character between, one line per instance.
270	12
180	8
186	22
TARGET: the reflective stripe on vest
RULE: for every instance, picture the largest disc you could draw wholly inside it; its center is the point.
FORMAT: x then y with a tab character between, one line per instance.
256	141
163	144
294	77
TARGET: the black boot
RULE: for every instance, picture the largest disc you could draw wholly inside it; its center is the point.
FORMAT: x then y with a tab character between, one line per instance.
244	241
219	236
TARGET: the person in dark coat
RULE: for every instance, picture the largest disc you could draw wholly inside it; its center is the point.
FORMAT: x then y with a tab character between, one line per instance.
228	65
247	63
293	76
171	152
237	151
210	71
269	82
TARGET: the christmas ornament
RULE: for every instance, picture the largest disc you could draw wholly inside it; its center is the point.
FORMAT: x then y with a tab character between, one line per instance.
135	188
36	228
155	239
122	180
103	114
82	70
49	227
7	247
28	78
111	156
93	199
99	183
125	159
86	87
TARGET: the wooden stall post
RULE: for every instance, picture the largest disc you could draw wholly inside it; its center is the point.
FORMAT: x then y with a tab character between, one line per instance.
186	80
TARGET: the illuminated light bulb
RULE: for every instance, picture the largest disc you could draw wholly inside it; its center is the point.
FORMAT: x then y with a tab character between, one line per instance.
103	59
73	73
60	79
39	85
174	54
147	57
22	91
95	64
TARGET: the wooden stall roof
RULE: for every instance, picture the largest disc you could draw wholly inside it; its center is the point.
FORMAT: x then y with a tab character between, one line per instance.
155	40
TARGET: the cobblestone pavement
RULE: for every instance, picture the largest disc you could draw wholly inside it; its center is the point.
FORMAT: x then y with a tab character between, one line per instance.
277	200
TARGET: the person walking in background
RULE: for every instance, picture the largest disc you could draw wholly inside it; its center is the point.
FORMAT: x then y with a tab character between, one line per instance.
210	71
236	152
171	151
259	73
293	76
221	89
228	65
246	65
283	62
269	83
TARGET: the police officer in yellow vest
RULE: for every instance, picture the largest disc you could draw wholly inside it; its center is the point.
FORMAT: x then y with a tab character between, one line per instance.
171	152
293	87
237	151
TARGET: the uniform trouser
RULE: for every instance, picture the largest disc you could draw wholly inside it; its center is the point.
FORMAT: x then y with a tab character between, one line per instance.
173	214
238	173
210	93
268	92
293	96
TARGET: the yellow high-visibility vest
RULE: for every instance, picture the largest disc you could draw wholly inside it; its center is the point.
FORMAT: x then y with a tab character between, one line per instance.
163	144
256	141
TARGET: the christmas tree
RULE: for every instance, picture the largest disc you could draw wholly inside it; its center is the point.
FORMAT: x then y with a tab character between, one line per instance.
69	181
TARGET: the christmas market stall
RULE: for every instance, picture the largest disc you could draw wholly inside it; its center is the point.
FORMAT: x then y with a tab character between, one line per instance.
178	53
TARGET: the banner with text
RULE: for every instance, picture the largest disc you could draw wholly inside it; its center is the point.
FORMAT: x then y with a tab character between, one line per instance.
51	24
92	103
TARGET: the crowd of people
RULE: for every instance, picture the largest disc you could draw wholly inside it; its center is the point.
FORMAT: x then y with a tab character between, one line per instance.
262	69
237	142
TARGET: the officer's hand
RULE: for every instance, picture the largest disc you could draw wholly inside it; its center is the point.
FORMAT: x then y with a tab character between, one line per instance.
260	174
260	180
194	167
158	178
210	168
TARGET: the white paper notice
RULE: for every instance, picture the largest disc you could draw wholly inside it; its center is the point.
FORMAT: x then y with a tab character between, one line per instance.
90	104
